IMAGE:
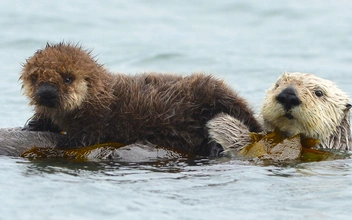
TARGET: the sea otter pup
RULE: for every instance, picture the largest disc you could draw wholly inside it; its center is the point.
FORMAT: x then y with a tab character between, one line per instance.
74	94
298	103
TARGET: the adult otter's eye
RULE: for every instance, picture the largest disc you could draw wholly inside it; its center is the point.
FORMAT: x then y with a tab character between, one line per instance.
68	80
318	93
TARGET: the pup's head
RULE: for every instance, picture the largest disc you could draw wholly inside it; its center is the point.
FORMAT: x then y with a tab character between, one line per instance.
309	105
59	77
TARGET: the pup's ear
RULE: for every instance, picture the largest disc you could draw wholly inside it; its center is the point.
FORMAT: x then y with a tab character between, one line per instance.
348	106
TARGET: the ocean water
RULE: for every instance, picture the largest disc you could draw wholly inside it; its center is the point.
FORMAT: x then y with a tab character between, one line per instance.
245	42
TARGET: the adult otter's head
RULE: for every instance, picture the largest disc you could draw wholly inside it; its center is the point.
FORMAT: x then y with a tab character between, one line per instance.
61	77
311	106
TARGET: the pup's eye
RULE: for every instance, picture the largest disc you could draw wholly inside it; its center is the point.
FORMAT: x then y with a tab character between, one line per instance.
34	78
277	85
68	80
318	93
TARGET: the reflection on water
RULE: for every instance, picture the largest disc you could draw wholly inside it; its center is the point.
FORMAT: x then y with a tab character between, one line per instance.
179	187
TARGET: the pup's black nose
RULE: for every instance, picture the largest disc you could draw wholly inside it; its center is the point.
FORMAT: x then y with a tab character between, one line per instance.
288	98
47	95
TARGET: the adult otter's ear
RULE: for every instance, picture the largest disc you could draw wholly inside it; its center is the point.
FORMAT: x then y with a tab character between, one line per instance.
348	106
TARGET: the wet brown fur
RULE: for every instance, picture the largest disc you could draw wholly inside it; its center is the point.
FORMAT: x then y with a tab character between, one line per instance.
97	106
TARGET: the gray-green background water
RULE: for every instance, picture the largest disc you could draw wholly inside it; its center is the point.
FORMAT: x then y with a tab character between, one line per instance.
247	43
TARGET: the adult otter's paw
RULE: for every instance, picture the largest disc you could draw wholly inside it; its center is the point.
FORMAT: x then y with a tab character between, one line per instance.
228	132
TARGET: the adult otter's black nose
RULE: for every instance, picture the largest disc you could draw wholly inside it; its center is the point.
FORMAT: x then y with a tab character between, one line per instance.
47	95
288	98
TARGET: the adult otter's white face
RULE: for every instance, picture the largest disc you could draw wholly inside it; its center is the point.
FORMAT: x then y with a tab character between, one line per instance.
306	104
57	77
